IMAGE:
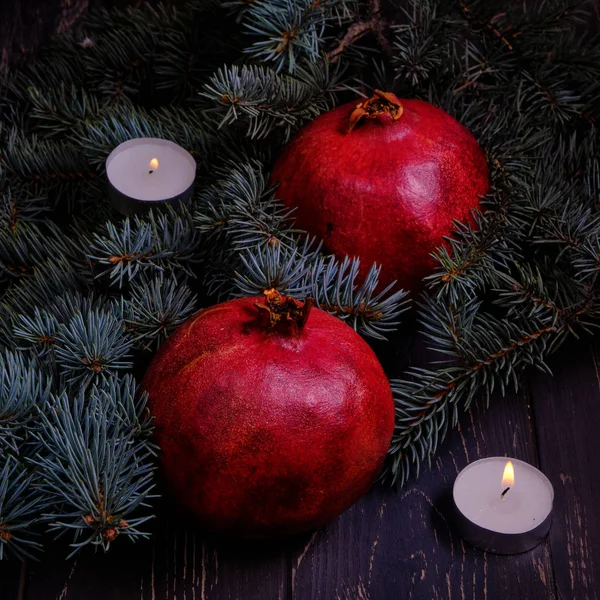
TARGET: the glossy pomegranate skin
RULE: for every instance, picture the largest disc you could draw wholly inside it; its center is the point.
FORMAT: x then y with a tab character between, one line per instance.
264	434
388	191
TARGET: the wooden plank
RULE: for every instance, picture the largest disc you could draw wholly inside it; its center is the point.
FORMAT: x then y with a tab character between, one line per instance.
185	564
89	575
177	563
403	545
567	418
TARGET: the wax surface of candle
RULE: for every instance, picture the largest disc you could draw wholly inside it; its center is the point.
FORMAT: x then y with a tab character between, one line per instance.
478	495
129	169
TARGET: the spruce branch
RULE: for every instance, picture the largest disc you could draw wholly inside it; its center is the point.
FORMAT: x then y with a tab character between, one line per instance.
48	161
92	347
27	244
487	352
55	111
36	332
159	241
267	102
282	268
125	249
490	352
587	261
475	258
487	24
123	396
22	388
95	476
374	23
21	206
288	31
155	308
153	49
527	292
240	209
33	290
417	56
20	508
370	310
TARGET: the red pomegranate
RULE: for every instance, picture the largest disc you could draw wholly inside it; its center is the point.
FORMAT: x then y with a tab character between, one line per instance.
383	180
270	421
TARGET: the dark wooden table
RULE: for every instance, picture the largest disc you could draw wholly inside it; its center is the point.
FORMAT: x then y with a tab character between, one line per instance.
390	545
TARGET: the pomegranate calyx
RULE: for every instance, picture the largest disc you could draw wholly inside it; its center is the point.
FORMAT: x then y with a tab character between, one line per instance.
379	103
284	312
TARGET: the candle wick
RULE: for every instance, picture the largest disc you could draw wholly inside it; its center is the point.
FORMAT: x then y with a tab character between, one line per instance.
504	492
150	172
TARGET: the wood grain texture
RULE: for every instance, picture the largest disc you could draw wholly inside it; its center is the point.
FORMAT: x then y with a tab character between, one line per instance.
177	563
567	417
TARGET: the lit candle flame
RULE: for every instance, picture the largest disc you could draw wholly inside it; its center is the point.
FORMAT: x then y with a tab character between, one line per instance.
508	477
154	163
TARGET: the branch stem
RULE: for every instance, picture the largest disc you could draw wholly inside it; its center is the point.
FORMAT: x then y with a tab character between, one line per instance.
375	24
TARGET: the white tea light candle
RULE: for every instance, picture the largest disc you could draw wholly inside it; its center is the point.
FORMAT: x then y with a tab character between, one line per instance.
503	505
146	171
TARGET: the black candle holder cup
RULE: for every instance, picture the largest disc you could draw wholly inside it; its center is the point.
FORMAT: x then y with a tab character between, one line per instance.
128	206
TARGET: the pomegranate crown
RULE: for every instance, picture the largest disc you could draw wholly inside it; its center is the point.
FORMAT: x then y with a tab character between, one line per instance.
284	312
378	104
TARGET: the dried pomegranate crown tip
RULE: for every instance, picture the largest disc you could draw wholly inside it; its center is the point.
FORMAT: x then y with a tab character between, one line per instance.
378	104
285	311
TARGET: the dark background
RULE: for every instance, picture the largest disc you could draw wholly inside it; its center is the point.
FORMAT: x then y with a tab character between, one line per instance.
392	545
25	24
